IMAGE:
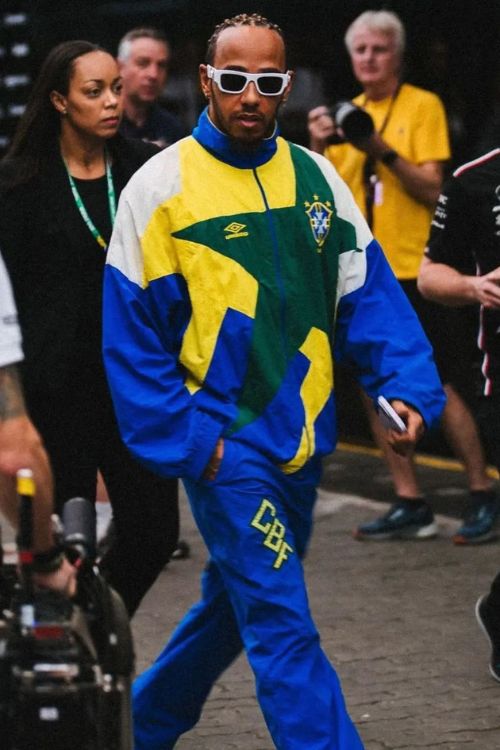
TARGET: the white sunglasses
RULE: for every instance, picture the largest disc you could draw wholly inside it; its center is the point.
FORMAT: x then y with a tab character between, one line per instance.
236	81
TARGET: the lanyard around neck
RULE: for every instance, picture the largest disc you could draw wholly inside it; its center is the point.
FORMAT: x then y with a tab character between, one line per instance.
83	211
370	178
389	109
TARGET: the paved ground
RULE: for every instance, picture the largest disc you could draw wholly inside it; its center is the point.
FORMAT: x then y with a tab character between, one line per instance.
395	618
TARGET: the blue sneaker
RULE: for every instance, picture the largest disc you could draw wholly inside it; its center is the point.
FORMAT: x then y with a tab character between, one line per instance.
406	519
479	520
490	626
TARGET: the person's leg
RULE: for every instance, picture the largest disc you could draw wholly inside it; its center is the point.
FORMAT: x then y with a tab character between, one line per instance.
488	615
168	697
449	331
256	526
444	332
63	420
410	517
401	468
488	606
255	541
145	518
488	618
80	432
463	436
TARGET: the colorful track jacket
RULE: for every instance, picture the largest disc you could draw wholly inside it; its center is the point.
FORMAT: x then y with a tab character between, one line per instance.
234	282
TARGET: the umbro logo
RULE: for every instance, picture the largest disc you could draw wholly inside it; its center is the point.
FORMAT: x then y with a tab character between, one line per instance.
235	229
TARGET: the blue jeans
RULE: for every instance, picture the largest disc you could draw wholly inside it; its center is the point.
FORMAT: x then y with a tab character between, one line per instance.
256	523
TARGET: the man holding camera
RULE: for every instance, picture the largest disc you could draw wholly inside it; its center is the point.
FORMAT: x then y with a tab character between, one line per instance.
390	149
21	447
396	173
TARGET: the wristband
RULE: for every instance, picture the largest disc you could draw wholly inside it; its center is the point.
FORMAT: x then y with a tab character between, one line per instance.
50	561
389	157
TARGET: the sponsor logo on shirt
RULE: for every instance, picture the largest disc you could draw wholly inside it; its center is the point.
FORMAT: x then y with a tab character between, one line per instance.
496	210
440	212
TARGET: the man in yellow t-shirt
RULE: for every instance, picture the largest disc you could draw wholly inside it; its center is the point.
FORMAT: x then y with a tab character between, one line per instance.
395	174
405	189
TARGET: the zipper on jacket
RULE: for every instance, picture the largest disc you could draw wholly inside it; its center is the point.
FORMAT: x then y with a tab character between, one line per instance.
281	285
277	266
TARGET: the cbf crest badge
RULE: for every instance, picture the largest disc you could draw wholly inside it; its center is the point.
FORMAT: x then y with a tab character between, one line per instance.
319	215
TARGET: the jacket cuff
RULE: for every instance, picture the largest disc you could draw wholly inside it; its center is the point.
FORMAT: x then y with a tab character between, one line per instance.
208	431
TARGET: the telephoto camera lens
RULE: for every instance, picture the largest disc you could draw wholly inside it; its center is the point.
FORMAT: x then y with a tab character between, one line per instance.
356	124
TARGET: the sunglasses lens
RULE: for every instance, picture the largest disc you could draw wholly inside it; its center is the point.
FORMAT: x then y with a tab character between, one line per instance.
232	82
270	85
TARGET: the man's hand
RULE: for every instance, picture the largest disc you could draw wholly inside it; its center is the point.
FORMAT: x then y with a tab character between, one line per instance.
374	146
322	127
442	283
215	461
422	181
487	289
63	579
404	443
21	447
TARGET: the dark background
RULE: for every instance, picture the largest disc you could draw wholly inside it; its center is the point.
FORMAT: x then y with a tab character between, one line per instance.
453	48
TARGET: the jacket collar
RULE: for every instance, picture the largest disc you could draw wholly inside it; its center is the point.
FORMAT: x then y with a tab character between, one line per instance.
221	146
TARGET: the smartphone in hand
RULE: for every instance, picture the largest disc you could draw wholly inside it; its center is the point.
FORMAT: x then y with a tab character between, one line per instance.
389	416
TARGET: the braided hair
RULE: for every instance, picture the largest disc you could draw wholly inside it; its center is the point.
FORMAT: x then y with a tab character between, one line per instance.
242	19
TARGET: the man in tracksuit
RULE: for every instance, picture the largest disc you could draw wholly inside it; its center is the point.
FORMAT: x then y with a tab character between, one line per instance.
239	271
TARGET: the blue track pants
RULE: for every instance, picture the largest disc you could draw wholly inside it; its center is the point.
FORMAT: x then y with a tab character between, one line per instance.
256	523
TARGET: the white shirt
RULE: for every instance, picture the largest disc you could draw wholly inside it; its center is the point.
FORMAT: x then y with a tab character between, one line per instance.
10	333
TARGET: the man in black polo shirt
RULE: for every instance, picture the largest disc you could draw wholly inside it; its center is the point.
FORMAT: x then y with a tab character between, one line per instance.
466	231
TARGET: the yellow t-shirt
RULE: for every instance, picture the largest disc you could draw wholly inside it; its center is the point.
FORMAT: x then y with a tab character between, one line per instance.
417	130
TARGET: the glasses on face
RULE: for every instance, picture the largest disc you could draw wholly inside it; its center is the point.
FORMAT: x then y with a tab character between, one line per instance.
236	81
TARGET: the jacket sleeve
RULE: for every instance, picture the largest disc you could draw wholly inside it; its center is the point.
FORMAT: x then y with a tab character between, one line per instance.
379	335
157	416
377	332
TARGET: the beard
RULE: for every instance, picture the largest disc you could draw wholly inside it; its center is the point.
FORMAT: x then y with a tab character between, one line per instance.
240	144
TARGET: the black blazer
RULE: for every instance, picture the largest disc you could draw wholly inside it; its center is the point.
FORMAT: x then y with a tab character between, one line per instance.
53	261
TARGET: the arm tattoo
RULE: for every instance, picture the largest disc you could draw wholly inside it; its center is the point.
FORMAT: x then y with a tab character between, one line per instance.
11	397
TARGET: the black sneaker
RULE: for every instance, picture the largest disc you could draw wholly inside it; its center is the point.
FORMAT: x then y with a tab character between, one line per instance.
406	519
491	628
479	520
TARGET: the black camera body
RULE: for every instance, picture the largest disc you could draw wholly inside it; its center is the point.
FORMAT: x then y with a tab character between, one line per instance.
65	665
356	124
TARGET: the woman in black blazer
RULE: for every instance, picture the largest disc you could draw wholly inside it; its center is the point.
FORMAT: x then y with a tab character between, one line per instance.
60	185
